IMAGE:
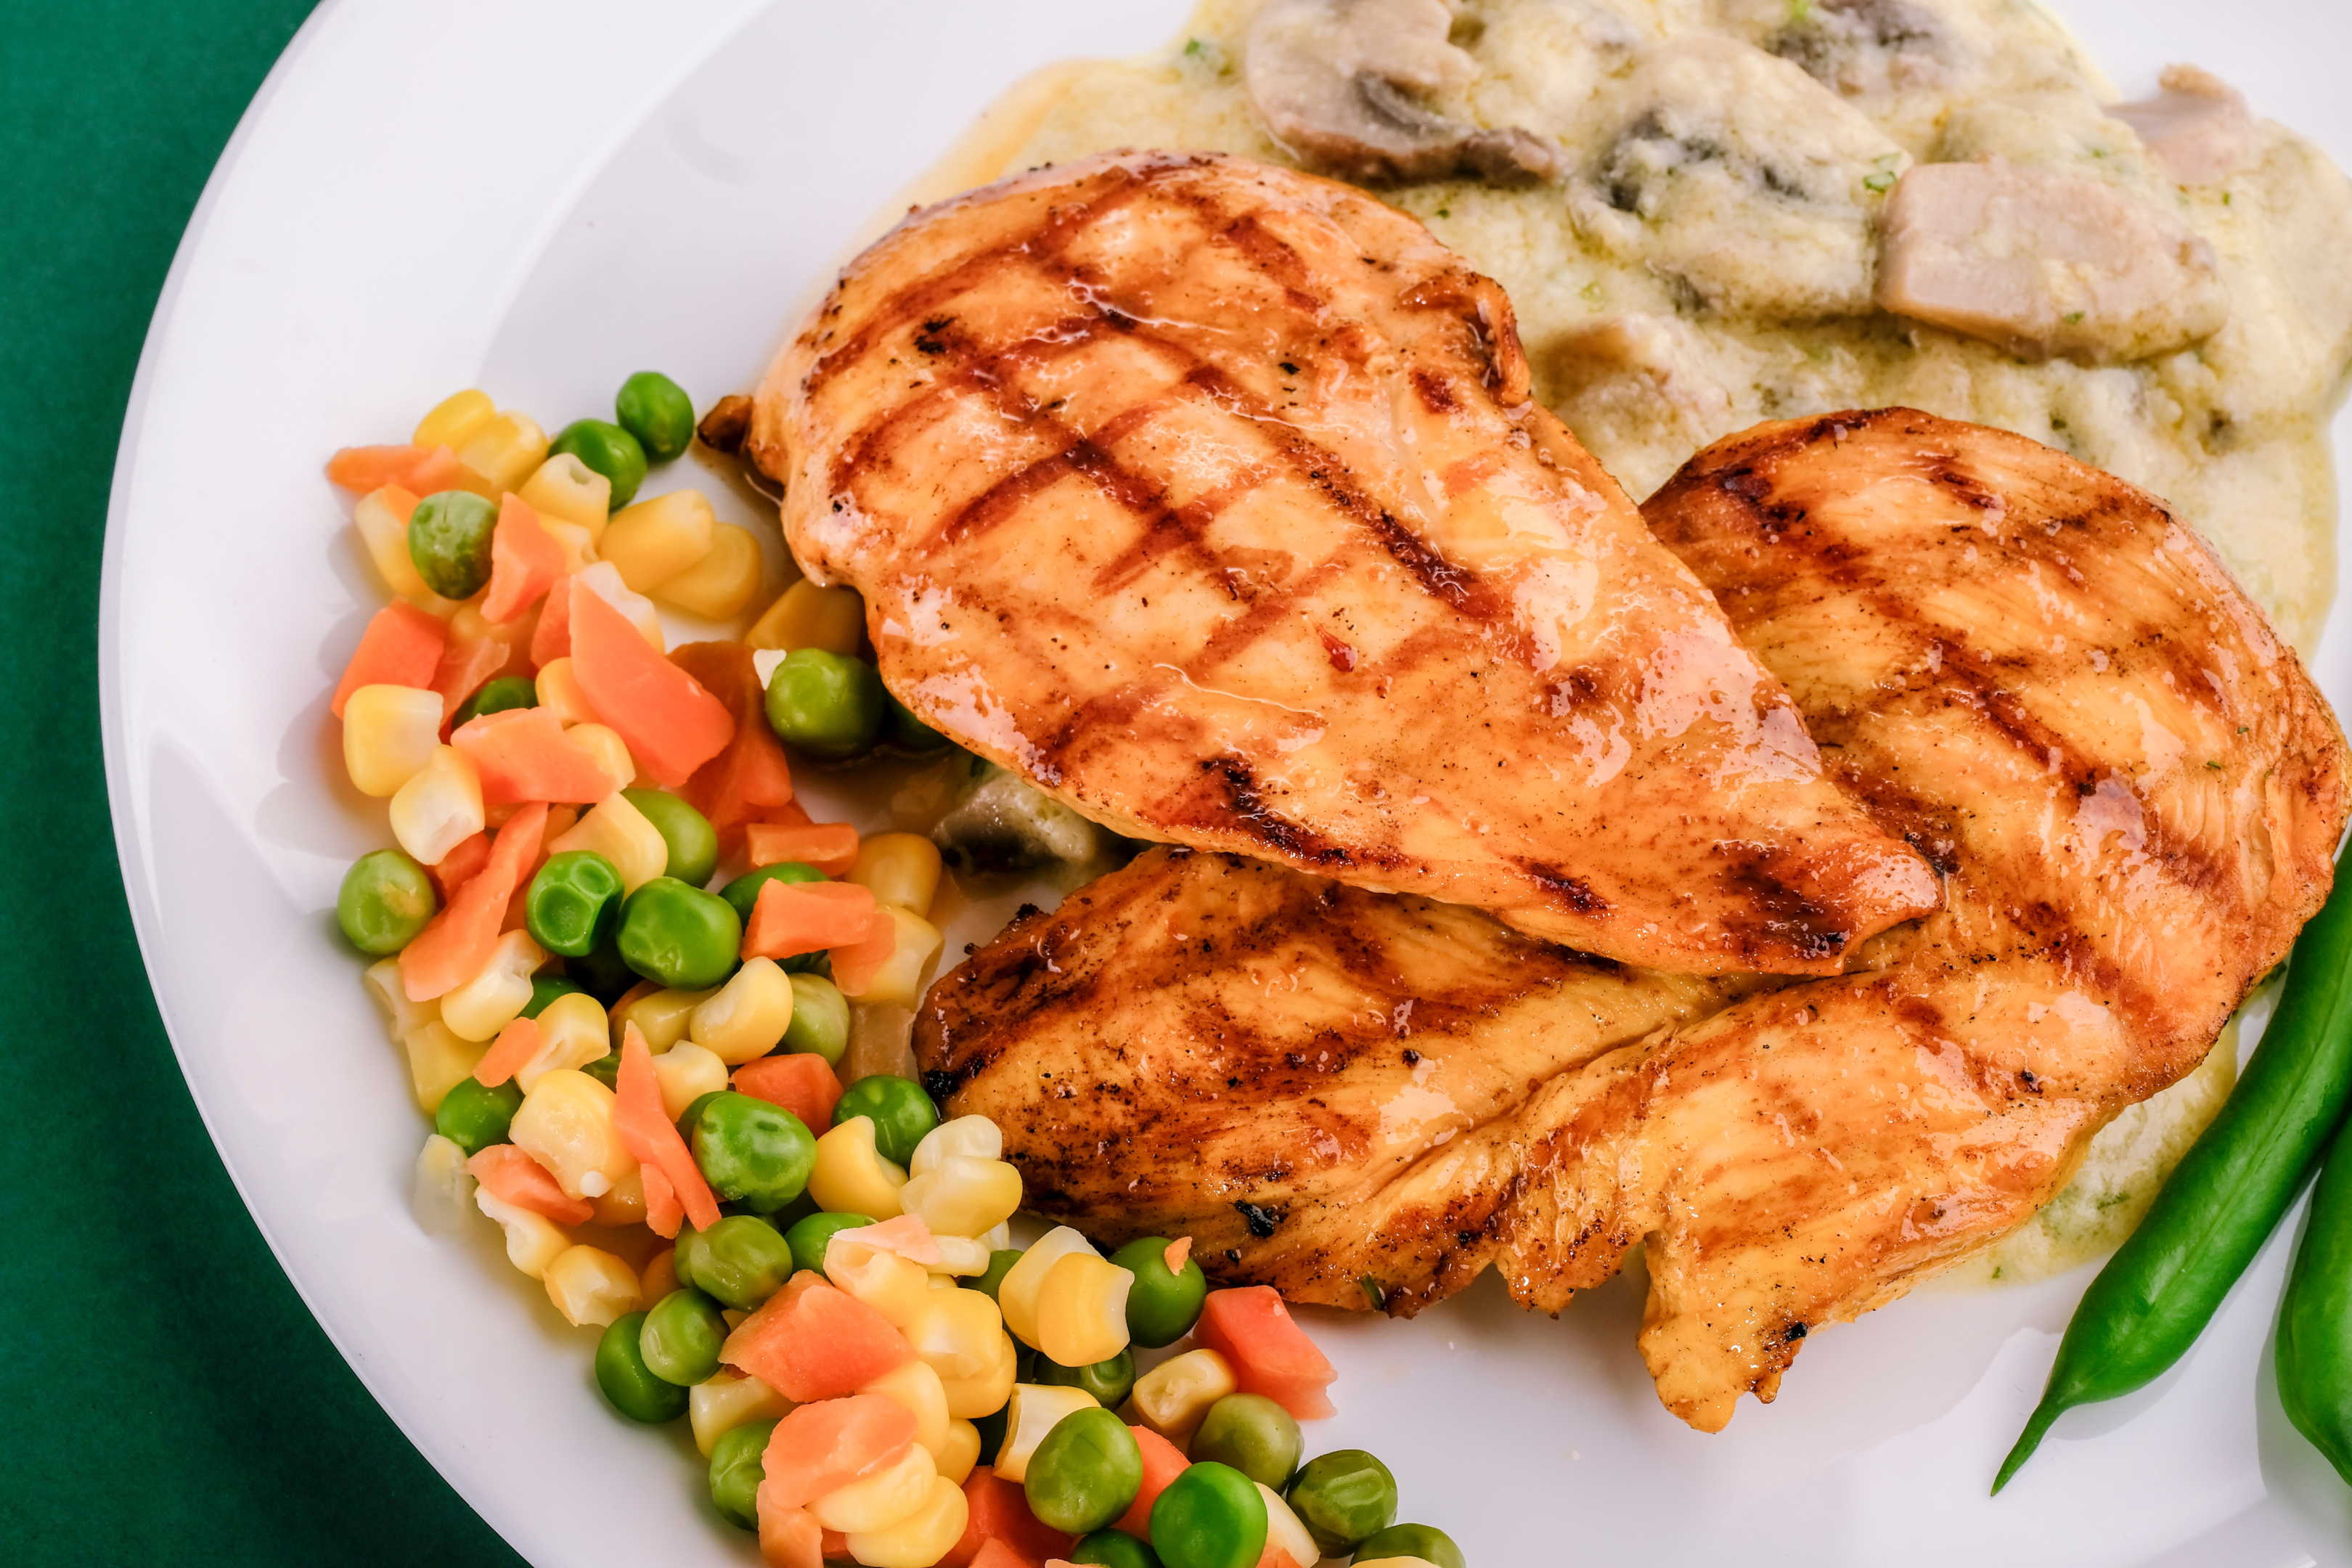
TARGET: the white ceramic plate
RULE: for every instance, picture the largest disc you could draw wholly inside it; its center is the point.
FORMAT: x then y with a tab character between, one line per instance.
540	198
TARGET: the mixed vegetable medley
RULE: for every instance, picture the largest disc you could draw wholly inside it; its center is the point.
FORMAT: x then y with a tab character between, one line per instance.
629	970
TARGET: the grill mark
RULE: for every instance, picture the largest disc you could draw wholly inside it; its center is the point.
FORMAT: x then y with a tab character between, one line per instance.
1269	611
1273	256
1563	889
1787	919
1224	796
1435	394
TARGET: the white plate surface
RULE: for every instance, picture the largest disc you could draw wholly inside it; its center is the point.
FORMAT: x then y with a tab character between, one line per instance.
540	198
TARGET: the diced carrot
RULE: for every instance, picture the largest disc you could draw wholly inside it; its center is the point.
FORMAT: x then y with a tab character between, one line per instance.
993	1553
551	638
1275	1557
997	1512
525	561
855	964
1163	1462
793	918
522	754
516	1044
456	943
511	1177
823	1447
830	847
465	664
815	1342
664	1212
789	1537
751	776
670	724
460	866
423	469
801	1082
1271	1354
836	1546
649	1133
402	647
902	1236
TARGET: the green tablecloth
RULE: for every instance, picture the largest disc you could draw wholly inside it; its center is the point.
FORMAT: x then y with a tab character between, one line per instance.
170	1398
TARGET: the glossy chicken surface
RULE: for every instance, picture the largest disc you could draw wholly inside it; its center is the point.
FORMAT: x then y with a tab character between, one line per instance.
2024	666
1211	497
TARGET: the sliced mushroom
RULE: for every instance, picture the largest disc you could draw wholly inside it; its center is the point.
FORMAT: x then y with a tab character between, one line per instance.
1335	81
1866	47
2197	128
2045	261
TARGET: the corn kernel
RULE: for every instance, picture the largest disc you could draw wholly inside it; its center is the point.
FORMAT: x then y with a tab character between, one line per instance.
923	1537
455	419
1036	1409
1285	1533
727	1400
626	1206
1018	1293
604	580
566	490
959	1334
479	1008
384	531
881	1040
889	1284
654	541
976	1136
572	1034
660	1276
957	1254
882	1500
439	808
851	1176
558	690
1172	1397
960	1452
437	1062
578	545
402	1017
389	733
1082	1310
439	1186
724	581
917	1387
961	1197
687	1072
664	1017
566	1124
589	1286
620	833
902	869
611	753
805	615
745	1018
899	981
504	450
532	1240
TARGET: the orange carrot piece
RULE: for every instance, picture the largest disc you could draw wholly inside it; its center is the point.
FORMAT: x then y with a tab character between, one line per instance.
823	1447
789	1537
830	847
551	638
456	943
465	664
423	469
996	1511
522	754
1271	1354
751	776
647	1133
664	1212
670	724
1163	1462
793	918
992	1553
460	866
801	1082
525	561
402	647
812	1341
511	1177
855	965
516	1044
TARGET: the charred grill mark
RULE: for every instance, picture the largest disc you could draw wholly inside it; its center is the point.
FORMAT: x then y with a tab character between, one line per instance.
1225	798
1435	394
1273	258
1573	891
1784	916
1440	578
1003	500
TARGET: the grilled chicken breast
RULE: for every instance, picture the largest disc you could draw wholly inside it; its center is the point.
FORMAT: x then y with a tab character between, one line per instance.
1210	497
2026	668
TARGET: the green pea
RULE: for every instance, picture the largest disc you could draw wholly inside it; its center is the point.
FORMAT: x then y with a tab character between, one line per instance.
752	1152
573	903
744	892
384	901
449	540
809	1237
1163	1304
605	1070
508	691
679	935
689	1118
999	1264
680	1339
1343	1497
826	704
737	1470
607	448
657	412
545	989
474	1117
1210	1516
1085	1473
820	1024
604	973
907	732
902	1112
741	1261
693	842
629	1386
1114	1549
1426	1542
1110	1381
1255	1436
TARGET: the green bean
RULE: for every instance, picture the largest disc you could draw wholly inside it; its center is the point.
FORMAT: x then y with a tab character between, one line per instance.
656	411
2160	1288
2314	1326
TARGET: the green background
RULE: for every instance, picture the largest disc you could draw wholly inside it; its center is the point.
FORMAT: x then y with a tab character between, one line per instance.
172	1400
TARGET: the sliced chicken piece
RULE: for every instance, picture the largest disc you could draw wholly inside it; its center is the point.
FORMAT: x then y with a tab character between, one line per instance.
2198	127
2045	261
2025	667
1210	498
